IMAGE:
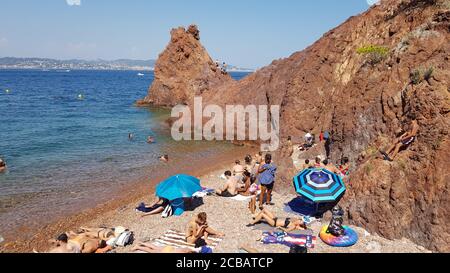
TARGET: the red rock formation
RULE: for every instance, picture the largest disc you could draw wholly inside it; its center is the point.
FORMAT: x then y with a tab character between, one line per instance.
183	70
363	99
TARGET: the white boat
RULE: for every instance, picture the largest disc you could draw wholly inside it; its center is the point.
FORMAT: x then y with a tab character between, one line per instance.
140	74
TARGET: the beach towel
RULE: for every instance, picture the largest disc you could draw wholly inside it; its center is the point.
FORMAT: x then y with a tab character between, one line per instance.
268	228
289	239
205	192
244	198
178	239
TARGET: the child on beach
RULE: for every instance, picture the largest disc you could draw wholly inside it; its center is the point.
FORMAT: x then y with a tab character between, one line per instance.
267	180
198	231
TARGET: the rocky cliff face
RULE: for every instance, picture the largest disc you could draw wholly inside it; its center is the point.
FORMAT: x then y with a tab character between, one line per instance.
362	81
183	70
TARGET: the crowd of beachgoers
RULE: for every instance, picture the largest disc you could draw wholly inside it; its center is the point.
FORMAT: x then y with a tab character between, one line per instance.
251	180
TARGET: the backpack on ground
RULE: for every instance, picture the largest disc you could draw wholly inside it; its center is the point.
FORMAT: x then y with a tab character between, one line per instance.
168	211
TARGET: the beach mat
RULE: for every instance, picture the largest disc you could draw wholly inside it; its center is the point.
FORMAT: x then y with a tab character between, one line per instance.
289	239
242	198
267	228
178	239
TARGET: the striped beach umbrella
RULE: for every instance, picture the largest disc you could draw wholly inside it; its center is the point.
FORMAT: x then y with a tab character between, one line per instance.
319	185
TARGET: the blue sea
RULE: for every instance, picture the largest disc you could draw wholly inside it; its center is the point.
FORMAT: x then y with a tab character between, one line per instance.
64	136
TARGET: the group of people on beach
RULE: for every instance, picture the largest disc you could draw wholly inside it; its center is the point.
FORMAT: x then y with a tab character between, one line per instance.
257	174
341	169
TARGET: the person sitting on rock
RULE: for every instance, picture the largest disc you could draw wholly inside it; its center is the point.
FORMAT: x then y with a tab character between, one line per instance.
330	167
402	142
344	168
2	165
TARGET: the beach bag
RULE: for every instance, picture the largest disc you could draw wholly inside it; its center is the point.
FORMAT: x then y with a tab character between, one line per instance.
168	211
296	249
124	239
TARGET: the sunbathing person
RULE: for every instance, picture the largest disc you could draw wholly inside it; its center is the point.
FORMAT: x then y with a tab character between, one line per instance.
2	165
151	248
402	142
286	224
62	245
79	243
198	230
100	233
230	187
156	208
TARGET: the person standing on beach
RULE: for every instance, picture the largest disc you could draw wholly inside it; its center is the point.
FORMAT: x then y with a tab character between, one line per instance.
267	180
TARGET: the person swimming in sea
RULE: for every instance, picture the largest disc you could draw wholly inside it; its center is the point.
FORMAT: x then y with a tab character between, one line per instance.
2	165
164	158
130	136
150	140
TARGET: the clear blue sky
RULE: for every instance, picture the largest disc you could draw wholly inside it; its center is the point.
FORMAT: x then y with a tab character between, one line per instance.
247	33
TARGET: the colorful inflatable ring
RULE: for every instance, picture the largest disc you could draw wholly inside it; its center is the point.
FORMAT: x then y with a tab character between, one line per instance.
350	238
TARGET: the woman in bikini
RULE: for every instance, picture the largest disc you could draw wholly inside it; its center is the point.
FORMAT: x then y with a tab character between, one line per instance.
157	207
286	224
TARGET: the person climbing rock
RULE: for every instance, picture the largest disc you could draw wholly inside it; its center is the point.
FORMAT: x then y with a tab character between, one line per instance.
403	142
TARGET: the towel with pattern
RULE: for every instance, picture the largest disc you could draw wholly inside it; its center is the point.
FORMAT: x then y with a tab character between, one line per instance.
178	239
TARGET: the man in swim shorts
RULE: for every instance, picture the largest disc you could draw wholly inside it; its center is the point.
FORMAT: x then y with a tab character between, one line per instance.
230	187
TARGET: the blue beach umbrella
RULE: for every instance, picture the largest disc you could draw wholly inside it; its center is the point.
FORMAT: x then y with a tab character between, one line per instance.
319	185
178	186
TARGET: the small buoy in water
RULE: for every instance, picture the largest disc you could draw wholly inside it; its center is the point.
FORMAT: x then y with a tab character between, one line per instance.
7	91
80	97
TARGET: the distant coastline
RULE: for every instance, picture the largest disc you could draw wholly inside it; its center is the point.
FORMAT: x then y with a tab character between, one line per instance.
75	64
